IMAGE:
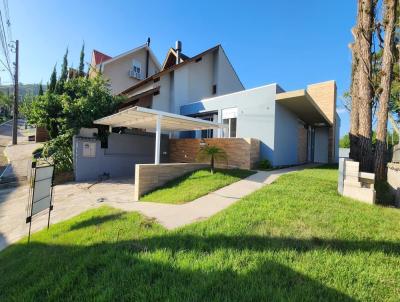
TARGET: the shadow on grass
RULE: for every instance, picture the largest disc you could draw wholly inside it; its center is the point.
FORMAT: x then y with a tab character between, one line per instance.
134	269
176	243
96	220
128	271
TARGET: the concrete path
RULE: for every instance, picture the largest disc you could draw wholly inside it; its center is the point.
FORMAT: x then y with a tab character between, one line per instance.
74	198
69	200
173	216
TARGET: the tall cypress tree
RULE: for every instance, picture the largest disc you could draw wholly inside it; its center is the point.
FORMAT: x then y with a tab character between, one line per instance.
40	89
81	61
53	80
64	68
64	74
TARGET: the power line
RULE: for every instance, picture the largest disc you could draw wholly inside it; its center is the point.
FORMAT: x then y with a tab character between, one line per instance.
8	22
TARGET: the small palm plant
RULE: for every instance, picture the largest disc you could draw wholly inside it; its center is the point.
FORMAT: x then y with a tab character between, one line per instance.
211	153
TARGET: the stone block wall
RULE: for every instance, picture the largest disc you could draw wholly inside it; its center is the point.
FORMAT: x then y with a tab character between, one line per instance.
242	153
393	178
150	176
355	184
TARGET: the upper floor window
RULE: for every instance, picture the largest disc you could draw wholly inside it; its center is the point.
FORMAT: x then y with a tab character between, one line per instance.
136	71
136	66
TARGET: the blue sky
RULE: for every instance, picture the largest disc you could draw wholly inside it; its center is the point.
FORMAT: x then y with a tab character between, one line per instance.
293	43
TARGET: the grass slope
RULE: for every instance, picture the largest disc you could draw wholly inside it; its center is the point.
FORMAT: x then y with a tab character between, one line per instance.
195	185
295	240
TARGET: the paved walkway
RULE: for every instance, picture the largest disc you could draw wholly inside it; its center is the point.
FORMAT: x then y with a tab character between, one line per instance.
173	216
73	198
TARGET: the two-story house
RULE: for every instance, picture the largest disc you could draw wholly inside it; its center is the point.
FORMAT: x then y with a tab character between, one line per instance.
184	79
127	69
293	127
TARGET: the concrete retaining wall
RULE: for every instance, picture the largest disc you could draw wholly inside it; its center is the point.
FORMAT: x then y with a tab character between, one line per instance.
151	176
242	153
393	178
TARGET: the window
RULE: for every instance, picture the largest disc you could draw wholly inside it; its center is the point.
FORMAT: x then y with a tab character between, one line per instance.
136	66
230	131
229	118
136	70
214	89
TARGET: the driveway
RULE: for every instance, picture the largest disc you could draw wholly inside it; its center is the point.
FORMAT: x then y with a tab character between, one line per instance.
69	200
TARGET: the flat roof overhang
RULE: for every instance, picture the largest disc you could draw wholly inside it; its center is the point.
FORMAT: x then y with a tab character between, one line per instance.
145	118
301	104
150	119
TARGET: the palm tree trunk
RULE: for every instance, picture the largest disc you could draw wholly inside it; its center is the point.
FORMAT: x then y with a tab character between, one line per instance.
385	87
364	40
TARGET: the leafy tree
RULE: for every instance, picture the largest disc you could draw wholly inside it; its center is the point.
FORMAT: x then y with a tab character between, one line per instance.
5	104
81	70
53	80
83	100
211	153
345	141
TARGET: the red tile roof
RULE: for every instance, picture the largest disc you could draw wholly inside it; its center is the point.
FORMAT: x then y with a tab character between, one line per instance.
100	57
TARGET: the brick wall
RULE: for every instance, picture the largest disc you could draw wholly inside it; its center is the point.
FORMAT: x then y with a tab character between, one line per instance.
150	176
324	95
42	135
241	153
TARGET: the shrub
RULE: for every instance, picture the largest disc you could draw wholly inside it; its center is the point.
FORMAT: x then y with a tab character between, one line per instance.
264	164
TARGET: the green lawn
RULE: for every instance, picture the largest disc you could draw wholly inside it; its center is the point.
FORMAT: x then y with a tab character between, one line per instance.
295	240
195	185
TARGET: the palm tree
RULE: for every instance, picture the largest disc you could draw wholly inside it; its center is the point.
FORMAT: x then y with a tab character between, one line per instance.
211	153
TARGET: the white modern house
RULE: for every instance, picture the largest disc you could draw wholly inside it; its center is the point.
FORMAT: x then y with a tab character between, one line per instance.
168	105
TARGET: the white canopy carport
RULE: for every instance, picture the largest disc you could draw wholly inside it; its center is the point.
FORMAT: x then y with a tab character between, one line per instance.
157	121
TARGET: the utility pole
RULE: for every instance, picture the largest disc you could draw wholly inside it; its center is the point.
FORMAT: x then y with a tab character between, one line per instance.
15	113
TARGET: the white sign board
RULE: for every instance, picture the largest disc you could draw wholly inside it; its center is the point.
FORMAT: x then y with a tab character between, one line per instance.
42	189
89	149
229	113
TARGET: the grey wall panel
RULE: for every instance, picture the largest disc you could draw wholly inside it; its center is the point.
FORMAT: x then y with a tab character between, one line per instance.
119	159
286	137
321	145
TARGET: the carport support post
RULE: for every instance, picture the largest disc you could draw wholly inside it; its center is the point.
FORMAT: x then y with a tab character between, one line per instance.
158	137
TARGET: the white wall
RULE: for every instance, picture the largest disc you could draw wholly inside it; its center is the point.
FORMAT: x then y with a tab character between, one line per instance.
117	71
194	81
227	79
321	145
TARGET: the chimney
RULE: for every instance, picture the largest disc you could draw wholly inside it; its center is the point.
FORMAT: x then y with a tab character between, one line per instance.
178	49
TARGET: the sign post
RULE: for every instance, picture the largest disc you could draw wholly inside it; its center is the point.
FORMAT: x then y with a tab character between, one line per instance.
40	193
